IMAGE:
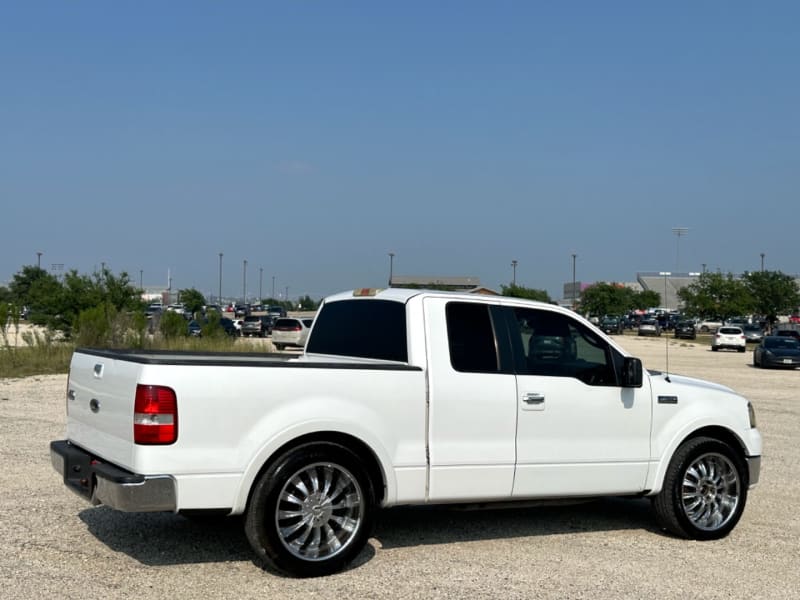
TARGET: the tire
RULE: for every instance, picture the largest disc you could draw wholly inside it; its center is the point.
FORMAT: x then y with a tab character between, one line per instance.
704	329
742	349
312	511
280	346
714	348
705	490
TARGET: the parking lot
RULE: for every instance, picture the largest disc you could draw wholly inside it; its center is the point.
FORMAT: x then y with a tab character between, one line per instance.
54	545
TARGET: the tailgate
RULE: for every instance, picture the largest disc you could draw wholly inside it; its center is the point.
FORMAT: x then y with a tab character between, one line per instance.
100	398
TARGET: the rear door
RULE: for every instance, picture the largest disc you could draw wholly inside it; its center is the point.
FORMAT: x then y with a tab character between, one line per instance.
472	403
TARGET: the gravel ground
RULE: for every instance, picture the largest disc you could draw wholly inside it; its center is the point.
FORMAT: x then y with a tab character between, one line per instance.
54	545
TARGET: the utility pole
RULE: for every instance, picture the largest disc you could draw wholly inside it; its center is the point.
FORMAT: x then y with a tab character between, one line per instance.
574	292
244	281
514	264
219	292
391	267
762	262
273	287
39	260
260	278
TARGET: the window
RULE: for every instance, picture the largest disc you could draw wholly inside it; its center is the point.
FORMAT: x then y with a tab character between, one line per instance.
471	339
556	345
362	328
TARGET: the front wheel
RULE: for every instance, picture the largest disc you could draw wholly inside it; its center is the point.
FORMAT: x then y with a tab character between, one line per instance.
705	490
312	511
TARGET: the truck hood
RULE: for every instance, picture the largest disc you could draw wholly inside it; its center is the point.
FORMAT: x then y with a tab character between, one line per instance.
680	383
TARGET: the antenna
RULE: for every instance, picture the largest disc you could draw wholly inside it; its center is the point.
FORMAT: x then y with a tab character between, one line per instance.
666	274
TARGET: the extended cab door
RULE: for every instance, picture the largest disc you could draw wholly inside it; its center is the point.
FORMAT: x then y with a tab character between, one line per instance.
472	402
579	432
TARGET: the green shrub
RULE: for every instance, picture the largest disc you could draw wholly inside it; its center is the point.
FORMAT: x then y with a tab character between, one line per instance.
173	325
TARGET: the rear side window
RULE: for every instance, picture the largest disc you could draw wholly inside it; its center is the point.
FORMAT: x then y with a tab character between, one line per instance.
361	328
470	335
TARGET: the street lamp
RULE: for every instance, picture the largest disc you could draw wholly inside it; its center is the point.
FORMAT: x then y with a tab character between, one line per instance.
244	281
679	232
260	278
219	293
39	260
514	264
273	287
762	261
141	286
391	267
574	294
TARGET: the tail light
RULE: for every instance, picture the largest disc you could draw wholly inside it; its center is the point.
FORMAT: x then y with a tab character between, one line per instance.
155	418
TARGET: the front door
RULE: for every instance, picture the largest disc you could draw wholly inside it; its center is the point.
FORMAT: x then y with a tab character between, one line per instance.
578	431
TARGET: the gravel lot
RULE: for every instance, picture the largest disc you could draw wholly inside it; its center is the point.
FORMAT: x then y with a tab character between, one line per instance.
54	545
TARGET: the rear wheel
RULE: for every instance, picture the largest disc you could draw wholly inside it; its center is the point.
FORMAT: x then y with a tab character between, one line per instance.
705	490
312	511
280	346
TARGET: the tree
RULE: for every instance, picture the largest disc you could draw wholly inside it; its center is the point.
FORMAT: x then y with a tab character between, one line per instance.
716	295
608	299
306	303
193	300
773	293
646	299
518	291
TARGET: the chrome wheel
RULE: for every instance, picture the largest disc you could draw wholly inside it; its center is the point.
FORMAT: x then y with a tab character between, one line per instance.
711	490
320	511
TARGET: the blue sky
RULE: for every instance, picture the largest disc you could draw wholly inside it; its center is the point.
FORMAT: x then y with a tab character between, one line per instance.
313	138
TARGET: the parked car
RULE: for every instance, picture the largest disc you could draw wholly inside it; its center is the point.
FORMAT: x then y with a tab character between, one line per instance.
228	326
649	326
237	324
289	331
686	330
792	333
777	352
195	329
709	325
242	310
729	337
611	325
753	333
255	325
276	311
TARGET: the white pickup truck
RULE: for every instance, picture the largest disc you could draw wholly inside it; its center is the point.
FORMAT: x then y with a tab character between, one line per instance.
403	397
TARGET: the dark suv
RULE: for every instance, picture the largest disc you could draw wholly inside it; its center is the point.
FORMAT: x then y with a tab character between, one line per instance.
685	329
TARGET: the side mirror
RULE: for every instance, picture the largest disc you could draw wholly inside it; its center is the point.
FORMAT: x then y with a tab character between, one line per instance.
631	372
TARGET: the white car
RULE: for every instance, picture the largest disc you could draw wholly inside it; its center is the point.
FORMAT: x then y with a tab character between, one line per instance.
729	337
290	331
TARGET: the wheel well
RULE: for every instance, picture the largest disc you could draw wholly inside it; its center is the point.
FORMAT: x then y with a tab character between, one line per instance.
721	434
355	445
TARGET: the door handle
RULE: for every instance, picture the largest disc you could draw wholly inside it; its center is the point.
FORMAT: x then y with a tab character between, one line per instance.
533	398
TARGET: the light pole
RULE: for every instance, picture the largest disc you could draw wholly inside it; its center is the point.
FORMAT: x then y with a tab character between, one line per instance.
39	260
762	262
260	279
704	267
141	286
391	267
219	292
574	294
273	287
287	293
665	274
514	264
679	232
244	281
